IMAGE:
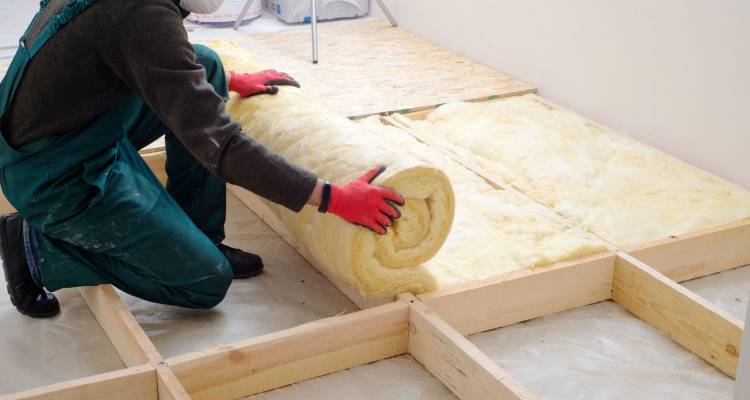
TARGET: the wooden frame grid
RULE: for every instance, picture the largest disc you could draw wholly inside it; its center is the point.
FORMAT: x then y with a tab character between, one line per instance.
643	279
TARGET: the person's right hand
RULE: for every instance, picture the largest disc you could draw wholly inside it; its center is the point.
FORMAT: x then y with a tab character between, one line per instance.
362	203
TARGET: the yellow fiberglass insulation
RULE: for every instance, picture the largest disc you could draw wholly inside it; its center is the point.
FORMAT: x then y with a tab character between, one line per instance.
494	231
616	187
307	133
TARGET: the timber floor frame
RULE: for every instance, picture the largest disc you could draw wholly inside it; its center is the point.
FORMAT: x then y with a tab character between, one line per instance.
644	279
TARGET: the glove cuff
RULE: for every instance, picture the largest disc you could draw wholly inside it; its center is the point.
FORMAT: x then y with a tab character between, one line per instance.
325	198
232	81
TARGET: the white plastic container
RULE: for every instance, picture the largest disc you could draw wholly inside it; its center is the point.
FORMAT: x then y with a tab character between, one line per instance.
227	14
295	11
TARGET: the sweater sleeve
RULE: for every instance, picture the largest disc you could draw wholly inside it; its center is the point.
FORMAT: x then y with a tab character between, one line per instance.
150	52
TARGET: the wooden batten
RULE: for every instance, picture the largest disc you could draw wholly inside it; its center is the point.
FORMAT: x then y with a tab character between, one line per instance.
168	386
688	319
157	161
128	384
523	295
126	335
699	253
5	206
455	361
293	355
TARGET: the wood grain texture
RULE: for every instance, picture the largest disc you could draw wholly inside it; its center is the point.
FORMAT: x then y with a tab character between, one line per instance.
256	205
168	386
688	319
126	335
523	295
128	384
157	161
368	67
293	355
698	254
455	361
5	206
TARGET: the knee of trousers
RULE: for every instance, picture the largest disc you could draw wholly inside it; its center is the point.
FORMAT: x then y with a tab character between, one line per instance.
215	287
215	74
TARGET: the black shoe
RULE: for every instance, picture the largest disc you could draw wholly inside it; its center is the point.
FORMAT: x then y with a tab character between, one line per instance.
244	264
28	298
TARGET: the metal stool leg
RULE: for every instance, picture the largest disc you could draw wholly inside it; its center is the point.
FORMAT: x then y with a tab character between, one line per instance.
314	25
244	11
387	13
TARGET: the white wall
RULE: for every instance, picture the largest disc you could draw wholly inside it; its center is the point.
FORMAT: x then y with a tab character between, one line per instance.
672	73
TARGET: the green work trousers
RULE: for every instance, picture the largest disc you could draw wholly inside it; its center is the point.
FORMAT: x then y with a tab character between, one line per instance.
99	214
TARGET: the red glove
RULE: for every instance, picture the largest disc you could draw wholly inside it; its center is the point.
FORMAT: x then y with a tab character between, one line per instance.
364	204
262	82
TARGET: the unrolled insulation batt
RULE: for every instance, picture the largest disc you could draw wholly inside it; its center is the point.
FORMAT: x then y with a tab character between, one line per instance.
618	188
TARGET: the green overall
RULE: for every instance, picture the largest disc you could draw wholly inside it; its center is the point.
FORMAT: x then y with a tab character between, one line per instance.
98	213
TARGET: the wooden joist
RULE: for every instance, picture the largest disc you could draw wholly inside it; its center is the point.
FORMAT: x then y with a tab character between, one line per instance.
698	254
523	295
126	335
157	161
455	361
168	386
289	356
688	319
127	384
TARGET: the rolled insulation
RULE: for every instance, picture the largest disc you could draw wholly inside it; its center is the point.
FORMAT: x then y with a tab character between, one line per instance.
309	134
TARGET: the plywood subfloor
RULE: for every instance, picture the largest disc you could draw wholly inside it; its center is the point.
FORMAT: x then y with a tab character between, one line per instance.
291	292
368	67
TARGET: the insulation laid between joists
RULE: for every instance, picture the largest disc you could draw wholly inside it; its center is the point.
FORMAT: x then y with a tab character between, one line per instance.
616	187
494	231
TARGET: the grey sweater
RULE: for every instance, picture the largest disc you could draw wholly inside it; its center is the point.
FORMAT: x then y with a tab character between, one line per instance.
118	48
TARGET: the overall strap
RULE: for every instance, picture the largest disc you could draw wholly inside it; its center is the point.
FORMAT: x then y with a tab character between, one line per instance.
24	53
70	11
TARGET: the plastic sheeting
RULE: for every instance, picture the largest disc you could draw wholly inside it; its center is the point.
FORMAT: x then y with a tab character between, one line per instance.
38	352
601	352
290	292
593	352
729	290
399	378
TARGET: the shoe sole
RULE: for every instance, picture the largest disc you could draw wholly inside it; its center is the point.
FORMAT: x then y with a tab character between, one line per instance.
248	276
6	256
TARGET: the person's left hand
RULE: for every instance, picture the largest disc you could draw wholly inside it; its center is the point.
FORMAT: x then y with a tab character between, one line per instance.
263	82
